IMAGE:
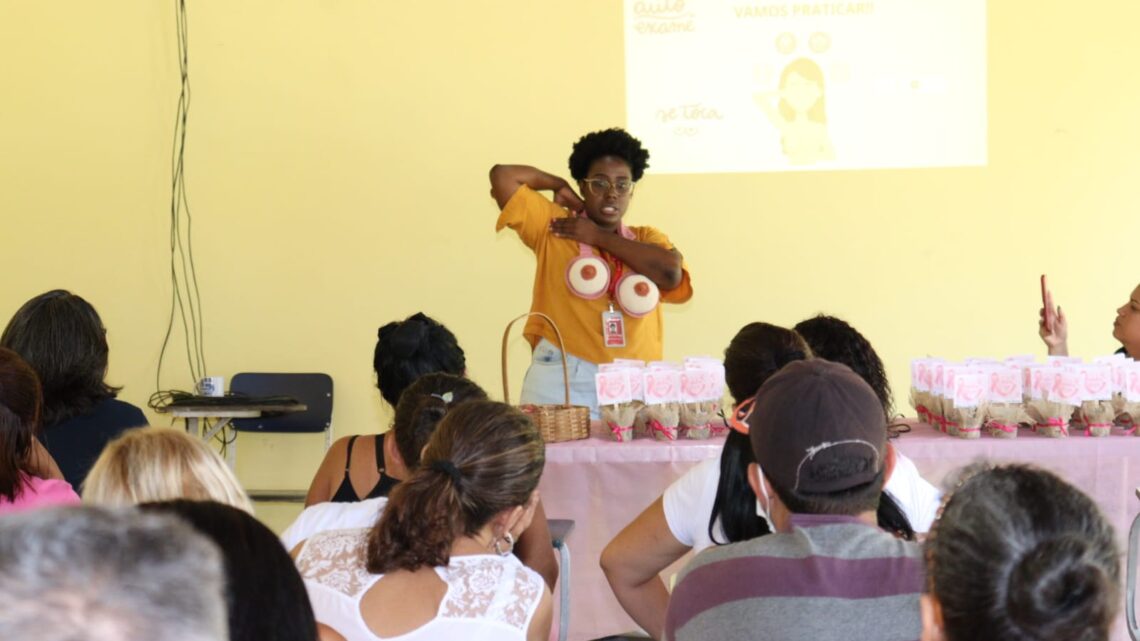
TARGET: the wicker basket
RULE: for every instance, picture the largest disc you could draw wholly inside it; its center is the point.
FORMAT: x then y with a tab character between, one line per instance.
556	423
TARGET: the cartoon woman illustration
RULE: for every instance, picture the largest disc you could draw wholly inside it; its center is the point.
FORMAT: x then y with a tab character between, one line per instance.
801	115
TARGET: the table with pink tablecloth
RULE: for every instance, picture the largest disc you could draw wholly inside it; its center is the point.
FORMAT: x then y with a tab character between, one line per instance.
1105	468
603	485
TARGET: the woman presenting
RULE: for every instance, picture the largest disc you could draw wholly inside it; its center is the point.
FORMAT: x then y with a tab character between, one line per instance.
601	281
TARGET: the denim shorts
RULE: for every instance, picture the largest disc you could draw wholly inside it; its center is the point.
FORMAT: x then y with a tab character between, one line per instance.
543	384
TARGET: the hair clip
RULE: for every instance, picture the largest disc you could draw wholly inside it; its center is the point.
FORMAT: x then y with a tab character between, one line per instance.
446	397
738	420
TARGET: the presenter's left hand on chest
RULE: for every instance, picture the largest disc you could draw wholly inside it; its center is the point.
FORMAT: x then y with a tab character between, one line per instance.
577	228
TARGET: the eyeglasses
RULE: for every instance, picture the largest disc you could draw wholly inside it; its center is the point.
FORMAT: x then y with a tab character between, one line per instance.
601	186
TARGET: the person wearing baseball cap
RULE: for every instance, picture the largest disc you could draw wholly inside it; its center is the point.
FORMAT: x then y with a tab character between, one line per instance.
818	432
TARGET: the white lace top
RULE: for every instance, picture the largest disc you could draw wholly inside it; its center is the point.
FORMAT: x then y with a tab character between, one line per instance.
488	596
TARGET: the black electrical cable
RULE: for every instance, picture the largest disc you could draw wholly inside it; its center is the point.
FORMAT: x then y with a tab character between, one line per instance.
185	294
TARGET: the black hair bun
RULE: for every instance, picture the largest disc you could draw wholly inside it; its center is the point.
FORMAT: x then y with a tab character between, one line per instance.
1057	588
407	337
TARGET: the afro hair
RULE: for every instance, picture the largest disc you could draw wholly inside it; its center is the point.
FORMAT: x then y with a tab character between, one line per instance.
610	142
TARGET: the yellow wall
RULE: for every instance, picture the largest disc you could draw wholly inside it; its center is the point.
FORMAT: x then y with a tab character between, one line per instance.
337	161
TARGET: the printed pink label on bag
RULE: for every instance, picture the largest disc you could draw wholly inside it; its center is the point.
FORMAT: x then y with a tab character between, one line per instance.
1067	387
1096	382
613	387
1132	387
969	389
662	386
1005	384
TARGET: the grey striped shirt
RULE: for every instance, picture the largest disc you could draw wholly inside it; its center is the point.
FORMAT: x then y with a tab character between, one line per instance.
831	577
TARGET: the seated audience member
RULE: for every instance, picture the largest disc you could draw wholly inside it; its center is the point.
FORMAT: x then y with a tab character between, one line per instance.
1019	554
1126	327
161	464
62	337
833	339
100	574
438	564
265	596
423	404
356	469
22	484
818	434
712	503
419	410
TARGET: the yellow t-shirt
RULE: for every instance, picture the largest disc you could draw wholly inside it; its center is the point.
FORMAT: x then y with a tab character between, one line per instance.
580	320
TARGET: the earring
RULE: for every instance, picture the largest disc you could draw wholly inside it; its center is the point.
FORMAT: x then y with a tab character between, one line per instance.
505	545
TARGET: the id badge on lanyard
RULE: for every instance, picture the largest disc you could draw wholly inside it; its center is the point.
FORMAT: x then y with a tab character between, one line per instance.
613	323
613	328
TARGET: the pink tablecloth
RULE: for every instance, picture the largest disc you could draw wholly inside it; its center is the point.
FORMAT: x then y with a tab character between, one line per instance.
1107	469
603	485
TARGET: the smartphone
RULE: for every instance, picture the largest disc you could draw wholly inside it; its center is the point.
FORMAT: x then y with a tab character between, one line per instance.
1045	303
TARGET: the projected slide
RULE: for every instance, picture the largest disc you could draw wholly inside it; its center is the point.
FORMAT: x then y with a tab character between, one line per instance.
737	86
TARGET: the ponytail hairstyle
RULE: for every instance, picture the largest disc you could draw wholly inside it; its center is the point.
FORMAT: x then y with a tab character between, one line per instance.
20	404
757	352
891	517
485	457
411	348
1019	554
62	338
423	405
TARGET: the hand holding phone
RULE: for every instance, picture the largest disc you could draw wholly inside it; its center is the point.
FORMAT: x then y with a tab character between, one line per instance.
1053	327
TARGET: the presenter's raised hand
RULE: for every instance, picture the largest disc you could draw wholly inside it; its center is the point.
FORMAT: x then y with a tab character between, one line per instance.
565	196
579	228
1054	330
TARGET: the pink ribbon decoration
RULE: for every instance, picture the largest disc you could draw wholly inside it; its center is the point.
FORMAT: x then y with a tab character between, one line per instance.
1131	431
1056	422
1008	429
939	420
656	426
621	434
923	414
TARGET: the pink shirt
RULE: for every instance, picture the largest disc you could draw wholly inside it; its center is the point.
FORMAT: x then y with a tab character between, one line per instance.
36	492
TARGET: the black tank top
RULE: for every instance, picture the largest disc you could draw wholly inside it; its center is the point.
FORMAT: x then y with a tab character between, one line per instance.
345	493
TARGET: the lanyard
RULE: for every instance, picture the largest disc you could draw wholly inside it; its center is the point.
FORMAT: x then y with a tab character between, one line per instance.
615	273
